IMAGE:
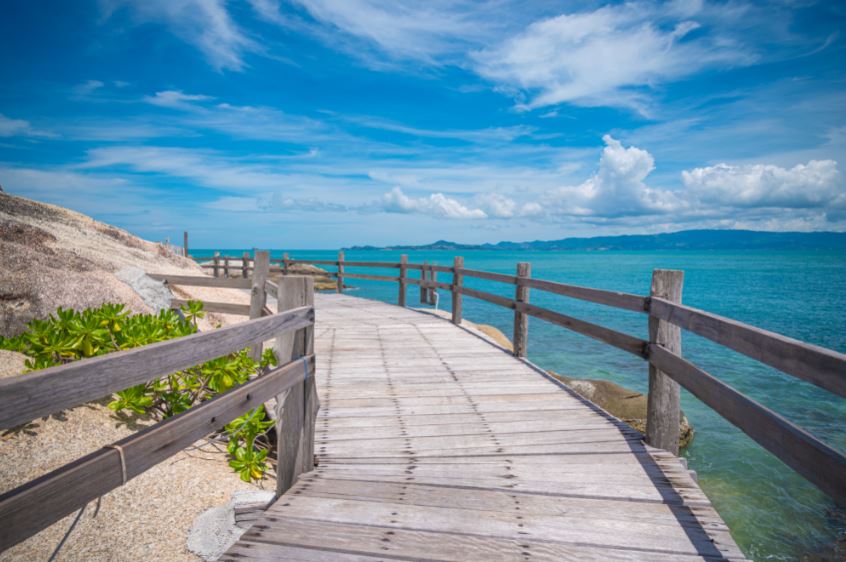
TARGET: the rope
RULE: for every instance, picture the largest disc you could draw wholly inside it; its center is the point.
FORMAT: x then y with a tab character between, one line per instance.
119	449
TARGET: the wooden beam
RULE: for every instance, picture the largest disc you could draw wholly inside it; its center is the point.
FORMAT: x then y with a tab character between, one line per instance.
285	263
341	271
457	266
371	277
40	393
221	307
820	366
201	281
663	405
521	320
217	264
424	276
258	294
37	504
185	244
403	280
822	465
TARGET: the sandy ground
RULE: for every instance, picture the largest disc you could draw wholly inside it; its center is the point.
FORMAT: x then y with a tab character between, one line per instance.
55	257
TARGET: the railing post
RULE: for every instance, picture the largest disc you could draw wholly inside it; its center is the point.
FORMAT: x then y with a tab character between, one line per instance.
185	243
457	279
245	265
423	282
521	321
285	264
433	277
663	404
341	271
403	273
216	264
226	266
296	408
258	294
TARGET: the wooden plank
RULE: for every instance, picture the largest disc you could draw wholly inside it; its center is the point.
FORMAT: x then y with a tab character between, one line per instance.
380	264
201	281
823	367
245	265
520	339
510	279
340	285
371	277
616	299
663	410
222	307
26	397
819	463
37	504
403	277
457	266
258	295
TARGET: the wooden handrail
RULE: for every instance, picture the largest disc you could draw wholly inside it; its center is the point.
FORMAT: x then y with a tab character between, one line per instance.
822	465
823	367
37	504
26	397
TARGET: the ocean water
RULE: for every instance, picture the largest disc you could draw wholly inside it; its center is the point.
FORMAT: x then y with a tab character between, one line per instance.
773	513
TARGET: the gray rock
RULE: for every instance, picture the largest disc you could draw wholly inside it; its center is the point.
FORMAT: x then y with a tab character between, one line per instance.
154	293
213	532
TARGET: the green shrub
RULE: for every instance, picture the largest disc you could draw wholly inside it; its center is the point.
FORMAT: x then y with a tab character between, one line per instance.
69	335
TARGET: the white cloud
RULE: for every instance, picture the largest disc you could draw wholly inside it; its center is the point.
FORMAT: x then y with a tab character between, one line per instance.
815	184
175	99
19	128
436	204
88	88
617	189
205	24
603	57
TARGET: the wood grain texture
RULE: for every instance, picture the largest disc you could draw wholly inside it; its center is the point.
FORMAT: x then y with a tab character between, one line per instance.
663	409
434	444
29	508
26	397
403	280
457	280
371	277
520	339
258	295
823	367
201	281
341	271
821	464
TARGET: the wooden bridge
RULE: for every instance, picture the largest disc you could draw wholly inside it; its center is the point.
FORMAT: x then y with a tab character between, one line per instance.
432	443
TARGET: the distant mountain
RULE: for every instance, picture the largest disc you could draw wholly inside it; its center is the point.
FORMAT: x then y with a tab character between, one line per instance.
682	240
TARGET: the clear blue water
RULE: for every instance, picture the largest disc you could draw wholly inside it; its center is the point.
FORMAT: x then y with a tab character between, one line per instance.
773	513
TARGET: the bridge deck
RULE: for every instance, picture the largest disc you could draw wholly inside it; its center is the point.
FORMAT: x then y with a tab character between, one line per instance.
434	444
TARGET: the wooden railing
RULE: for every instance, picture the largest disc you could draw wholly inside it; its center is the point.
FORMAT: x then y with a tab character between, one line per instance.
818	462
37	504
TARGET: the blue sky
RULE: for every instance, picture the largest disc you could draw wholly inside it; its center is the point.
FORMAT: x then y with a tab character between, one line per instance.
322	123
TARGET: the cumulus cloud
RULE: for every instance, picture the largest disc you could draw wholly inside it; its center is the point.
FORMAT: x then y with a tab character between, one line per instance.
814	184
436	204
618	188
205	24
601	57
175	99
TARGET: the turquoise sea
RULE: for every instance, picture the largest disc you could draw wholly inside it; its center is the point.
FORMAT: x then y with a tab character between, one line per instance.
772	512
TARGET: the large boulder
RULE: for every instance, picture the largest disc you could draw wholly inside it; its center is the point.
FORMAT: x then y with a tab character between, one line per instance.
621	402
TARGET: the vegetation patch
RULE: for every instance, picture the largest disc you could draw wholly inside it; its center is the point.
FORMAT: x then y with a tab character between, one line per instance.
70	335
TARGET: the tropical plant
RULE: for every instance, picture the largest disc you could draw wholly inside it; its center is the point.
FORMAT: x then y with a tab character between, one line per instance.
69	335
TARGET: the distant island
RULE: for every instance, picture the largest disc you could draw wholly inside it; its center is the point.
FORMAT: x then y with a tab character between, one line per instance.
682	240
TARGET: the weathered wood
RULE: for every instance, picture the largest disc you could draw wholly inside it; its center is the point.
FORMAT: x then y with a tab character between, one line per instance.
201	281
26	397
185	244
664	400
221	307
216	264
521	320
633	345
226	266
821	464
376	264
29	508
430	288
616	299
403	283
371	277
314	262
823	367
258	294
457	265
245	265
424	277
510	279
341	271
271	288
285	263
294	404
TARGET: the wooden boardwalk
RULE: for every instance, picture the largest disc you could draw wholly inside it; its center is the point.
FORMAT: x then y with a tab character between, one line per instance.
434	444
